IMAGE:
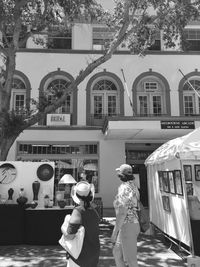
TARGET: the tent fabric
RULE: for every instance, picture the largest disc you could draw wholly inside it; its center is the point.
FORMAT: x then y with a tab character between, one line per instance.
184	147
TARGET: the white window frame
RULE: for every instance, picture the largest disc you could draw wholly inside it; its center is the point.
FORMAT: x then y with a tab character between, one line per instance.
158	89
16	92
105	95
59	110
194	103
102	34
150	89
150	103
195	98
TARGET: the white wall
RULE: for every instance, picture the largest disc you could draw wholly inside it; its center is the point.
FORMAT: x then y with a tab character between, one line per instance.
82	36
26	175
112	154
37	65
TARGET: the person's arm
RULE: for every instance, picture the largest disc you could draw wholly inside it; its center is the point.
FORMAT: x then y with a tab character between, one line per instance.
74	224
121	213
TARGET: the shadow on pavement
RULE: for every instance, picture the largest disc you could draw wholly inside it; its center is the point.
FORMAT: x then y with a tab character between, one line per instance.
152	252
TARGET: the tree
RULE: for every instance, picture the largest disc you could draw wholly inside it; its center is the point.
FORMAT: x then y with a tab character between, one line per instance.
134	23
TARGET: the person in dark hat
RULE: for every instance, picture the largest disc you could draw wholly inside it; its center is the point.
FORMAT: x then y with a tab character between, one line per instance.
127	228
84	214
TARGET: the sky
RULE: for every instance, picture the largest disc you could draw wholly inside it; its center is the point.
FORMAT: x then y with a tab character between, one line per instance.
107	4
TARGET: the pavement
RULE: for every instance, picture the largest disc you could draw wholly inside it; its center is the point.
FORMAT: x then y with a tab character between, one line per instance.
153	251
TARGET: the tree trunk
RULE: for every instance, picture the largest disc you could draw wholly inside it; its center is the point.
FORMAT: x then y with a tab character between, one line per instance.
5	145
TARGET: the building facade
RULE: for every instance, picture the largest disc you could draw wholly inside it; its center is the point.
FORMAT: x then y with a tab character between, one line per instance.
106	122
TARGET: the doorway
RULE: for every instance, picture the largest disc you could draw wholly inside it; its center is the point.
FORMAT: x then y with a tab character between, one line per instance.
141	175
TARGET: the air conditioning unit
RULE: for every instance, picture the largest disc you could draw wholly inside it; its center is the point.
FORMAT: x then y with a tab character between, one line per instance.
58	119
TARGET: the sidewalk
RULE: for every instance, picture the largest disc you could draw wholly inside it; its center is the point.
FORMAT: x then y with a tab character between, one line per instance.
151	253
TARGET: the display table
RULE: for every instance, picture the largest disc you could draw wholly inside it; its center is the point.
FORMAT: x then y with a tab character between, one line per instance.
42	226
11	224
39	226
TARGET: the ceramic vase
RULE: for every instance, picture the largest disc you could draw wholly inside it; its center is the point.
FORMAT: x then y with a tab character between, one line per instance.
36	188
10	194
22	199
46	201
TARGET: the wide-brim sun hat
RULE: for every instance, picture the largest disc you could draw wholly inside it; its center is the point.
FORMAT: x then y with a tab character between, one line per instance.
83	189
125	169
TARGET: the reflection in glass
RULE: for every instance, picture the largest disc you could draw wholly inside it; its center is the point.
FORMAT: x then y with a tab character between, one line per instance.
80	169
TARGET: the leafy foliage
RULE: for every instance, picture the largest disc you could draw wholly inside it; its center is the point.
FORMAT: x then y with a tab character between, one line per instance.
134	23
12	124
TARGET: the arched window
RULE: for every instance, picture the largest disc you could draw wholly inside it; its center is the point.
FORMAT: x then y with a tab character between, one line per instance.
151	95
55	89
104	99
191	100
52	87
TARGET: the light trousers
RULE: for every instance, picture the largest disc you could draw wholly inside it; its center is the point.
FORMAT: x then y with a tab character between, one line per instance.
71	263
125	249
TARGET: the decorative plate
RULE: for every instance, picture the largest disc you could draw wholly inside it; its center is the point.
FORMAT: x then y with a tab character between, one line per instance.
45	172
8	173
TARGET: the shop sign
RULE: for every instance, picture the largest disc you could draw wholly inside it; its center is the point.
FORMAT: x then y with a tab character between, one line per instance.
58	119
137	155
177	125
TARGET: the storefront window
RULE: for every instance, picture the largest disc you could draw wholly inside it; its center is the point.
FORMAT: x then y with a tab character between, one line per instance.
79	160
80	169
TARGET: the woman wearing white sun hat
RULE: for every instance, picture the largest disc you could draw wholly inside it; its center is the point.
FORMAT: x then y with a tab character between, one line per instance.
84	214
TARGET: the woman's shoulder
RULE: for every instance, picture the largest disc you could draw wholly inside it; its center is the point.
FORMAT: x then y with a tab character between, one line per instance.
75	216
79	208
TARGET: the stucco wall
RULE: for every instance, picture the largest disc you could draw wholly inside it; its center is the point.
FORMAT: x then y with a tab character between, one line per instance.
111	155
36	65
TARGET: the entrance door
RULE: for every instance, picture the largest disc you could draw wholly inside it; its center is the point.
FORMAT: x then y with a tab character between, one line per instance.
140	172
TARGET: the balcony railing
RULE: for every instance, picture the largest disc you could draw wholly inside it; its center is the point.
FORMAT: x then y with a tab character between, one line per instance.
99	119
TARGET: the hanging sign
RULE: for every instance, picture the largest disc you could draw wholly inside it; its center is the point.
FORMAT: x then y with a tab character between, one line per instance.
58	119
177	125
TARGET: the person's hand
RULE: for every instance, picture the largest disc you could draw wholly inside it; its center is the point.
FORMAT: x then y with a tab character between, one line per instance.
114	237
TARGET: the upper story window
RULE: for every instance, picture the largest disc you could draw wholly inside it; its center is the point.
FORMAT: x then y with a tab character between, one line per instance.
18	97
101	36
191	100
151	97
54	90
54	38
156	46
192	39
52	87
59	40
105	98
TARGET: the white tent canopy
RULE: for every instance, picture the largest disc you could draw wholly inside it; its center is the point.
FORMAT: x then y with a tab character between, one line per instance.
185	147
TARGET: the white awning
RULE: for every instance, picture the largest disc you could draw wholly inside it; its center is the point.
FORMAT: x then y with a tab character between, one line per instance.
141	131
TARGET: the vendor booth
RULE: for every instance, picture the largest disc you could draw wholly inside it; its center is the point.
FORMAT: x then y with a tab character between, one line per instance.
173	172
32	208
26	204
